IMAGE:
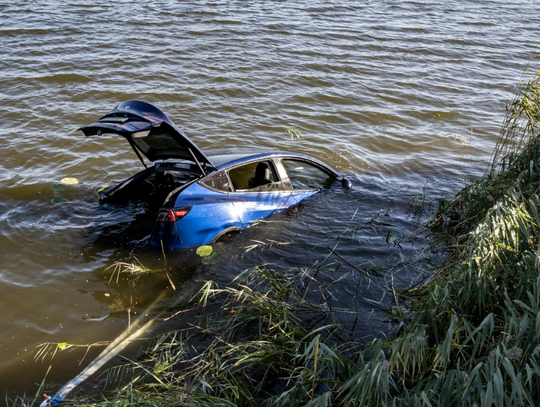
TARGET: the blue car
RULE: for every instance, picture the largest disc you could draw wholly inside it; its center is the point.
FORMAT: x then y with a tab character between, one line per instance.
202	197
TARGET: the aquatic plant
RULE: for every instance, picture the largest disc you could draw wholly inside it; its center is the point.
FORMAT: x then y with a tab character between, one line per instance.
292	133
119	267
49	349
479	314
265	345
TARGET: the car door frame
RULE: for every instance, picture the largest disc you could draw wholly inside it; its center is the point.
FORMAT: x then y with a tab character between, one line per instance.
301	194
282	196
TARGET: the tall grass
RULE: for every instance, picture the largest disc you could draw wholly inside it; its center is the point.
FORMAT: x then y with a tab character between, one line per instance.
480	315
270	347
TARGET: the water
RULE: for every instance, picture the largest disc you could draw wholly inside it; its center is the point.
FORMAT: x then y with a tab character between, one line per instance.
405	98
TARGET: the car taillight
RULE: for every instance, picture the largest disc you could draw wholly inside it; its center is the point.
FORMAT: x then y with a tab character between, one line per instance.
172	214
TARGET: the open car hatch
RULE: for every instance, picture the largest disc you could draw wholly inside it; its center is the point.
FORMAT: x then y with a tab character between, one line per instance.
149	132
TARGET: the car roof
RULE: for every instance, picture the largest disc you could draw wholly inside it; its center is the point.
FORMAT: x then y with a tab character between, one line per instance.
223	159
151	133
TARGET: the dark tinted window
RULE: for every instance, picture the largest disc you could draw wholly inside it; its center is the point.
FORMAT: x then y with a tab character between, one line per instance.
156	142
218	181
306	176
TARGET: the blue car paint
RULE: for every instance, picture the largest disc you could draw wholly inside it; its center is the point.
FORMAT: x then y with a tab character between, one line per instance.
253	206
215	212
211	213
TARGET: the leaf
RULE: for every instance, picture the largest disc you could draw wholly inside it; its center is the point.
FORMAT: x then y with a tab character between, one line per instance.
292	132
159	367
57	201
210	259
58	187
70	181
204	251
100	189
62	345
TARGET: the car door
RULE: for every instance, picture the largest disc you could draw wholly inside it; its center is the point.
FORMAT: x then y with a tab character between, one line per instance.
255	197
306	178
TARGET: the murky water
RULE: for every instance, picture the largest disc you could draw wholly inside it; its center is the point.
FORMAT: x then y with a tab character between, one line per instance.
405	98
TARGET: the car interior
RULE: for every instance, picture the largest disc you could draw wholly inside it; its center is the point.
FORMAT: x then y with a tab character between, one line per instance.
152	186
254	177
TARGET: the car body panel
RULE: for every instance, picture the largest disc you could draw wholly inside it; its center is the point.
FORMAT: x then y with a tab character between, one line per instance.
211	213
253	206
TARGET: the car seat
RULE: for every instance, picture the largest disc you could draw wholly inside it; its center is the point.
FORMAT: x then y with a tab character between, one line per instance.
262	176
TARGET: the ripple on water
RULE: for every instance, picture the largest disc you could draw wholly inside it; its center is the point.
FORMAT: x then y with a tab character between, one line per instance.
405	98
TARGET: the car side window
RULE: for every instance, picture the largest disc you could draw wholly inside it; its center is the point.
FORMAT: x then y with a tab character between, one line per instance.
255	177
218	181
306	176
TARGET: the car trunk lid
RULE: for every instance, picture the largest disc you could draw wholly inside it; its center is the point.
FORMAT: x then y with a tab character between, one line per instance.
149	132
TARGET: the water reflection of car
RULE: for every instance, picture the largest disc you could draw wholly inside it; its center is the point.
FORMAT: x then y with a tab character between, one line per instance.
201	197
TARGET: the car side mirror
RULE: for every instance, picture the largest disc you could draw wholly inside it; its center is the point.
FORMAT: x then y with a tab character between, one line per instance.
345	183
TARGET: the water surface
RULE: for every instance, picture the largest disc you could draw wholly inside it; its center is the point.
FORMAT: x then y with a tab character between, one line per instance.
405	98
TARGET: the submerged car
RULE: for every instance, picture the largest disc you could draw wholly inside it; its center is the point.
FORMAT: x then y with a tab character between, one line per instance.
202	197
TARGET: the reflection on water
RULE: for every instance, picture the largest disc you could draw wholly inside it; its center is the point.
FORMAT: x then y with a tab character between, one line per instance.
405	98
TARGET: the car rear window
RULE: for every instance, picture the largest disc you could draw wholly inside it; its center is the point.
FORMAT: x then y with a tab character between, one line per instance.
156	142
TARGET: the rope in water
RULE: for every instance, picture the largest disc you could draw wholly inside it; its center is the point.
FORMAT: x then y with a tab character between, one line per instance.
111	351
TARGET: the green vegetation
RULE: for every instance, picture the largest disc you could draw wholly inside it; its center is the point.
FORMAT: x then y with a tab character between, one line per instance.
470	335
292	132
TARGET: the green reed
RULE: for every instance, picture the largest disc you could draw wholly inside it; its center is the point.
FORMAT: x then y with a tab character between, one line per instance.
477	321
267	345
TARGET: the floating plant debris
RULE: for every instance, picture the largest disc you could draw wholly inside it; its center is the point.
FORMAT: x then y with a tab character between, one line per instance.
70	181
100	189
204	251
58	187
58	200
